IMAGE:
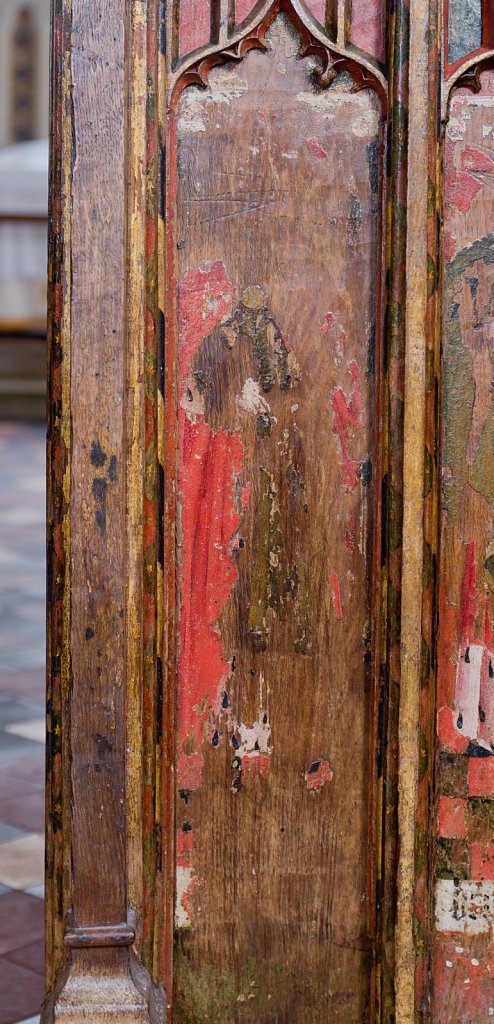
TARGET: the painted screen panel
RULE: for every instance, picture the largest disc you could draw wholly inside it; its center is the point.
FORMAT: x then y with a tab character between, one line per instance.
194	25
276	271
368	30
242	9
464	28
464	947
318	9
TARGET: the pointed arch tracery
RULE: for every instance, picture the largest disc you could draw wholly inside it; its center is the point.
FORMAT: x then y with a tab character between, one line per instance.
345	36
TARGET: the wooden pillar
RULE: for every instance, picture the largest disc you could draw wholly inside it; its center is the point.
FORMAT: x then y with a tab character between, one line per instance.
96	482
128	408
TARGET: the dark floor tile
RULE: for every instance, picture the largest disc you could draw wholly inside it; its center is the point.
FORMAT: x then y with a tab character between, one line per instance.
21	992
32	957
21	921
27	813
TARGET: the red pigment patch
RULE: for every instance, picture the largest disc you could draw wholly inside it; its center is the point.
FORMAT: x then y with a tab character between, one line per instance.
482	862
462	981
317	775
368	23
210	466
256	766
328	323
451	814
187	897
347	414
317	149
335	595
204	300
350	538
462	186
185	844
195	25
449	242
469	595
242	9
448	736
481	776
318	9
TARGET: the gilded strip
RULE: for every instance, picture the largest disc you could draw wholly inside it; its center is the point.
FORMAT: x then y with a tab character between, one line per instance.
136	156
413	477
58	856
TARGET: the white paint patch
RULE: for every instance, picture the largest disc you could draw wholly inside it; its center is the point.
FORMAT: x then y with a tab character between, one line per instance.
365	127
283	35
255	741
224	85
457	123
465	906
185	879
290	155
190	122
363	117
251	401
254	150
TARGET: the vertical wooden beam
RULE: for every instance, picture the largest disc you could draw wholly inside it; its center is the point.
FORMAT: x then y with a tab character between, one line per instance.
392	489
413	478
98	291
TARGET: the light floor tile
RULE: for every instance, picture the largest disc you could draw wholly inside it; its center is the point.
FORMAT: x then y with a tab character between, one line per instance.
22	861
36	890
32	729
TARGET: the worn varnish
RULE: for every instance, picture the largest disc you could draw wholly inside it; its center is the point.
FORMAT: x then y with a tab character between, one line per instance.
276	308
262	601
464	951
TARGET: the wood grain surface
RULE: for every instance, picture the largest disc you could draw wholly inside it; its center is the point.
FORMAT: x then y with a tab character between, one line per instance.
276	260
464	951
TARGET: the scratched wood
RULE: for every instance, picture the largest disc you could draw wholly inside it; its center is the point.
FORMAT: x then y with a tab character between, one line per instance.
276	258
276	851
464	954
95	608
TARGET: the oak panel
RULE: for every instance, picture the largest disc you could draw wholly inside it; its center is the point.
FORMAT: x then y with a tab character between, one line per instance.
276	261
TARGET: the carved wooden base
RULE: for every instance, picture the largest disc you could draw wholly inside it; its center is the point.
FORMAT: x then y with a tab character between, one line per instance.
103	985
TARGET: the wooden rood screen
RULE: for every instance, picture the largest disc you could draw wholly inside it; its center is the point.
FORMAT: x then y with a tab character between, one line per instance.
271	513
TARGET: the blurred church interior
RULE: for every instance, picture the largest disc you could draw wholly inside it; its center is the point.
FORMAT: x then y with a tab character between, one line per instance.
24	103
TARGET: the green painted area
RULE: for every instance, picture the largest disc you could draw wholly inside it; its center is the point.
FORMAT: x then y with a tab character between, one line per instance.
459	393
465	28
453	858
264	992
395	520
489	571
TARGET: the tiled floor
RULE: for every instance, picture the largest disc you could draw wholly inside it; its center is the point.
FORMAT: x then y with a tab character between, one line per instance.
22	625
